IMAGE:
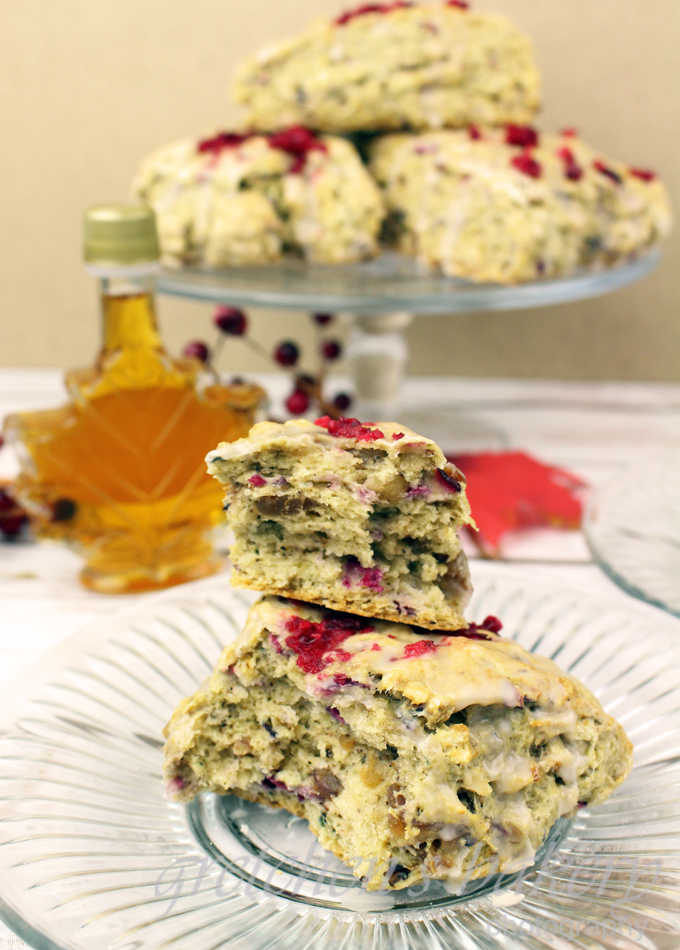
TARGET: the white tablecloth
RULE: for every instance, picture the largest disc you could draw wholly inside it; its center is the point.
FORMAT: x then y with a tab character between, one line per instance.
594	429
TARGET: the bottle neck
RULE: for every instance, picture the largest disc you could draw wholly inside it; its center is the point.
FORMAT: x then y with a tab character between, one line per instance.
128	313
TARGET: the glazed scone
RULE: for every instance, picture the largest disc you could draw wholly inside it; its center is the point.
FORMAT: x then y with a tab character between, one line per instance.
510	205
411	756
357	518
394	66
237	199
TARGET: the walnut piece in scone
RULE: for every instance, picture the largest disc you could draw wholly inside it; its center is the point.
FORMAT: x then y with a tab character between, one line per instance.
411	755
362	518
512	205
239	199
394	66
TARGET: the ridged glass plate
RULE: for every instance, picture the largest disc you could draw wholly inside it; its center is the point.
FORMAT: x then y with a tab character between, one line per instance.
390	283
633	529
93	857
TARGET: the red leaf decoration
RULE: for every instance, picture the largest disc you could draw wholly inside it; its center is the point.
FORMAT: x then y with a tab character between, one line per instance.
511	490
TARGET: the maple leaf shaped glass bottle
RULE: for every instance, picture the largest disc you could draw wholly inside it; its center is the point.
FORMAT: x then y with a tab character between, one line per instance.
119	471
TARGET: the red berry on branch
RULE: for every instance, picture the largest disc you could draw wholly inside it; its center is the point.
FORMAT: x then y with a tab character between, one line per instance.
322	319
342	401
11	527
230	320
331	350
287	353
198	350
297	403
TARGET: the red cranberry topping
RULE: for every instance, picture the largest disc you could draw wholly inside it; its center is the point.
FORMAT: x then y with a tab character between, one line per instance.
645	174
525	135
230	320
371	8
474	132
287	353
419	648
479	631
221	141
297	403
276	642
311	641
572	169
298	142
527	165
609	172
448	481
397	435
335	714
256	481
461	4
349	428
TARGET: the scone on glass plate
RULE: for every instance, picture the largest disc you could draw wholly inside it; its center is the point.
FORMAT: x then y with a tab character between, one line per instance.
360	518
240	199
513	205
393	66
412	755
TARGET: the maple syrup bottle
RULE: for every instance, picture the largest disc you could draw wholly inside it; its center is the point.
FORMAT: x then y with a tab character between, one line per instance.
119	471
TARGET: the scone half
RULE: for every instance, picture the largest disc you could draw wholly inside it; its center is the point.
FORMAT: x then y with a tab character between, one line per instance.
412	755
358	518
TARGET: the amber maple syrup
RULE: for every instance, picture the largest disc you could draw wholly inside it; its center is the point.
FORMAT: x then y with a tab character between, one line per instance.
120	470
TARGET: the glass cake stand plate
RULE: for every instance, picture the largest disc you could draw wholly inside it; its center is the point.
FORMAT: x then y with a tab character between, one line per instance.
633	528
388	284
94	857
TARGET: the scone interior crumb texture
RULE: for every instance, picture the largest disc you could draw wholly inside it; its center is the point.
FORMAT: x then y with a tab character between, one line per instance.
412	755
243	199
398	66
361	518
512	205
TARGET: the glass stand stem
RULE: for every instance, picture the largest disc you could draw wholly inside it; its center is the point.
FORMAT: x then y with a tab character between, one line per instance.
377	355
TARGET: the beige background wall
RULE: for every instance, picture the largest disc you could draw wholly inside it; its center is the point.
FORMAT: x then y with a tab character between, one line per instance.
87	87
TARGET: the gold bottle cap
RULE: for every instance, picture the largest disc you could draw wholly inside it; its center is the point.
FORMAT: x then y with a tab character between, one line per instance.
120	235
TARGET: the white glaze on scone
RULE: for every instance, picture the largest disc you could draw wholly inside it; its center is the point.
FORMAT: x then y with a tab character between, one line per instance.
411	754
422	66
458	202
364	526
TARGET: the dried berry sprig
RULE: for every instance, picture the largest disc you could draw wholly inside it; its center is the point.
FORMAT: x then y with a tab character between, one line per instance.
12	515
307	389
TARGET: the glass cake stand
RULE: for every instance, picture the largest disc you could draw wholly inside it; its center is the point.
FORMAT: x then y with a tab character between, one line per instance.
383	296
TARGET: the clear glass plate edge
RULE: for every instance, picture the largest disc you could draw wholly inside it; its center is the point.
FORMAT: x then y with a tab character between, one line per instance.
591	531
